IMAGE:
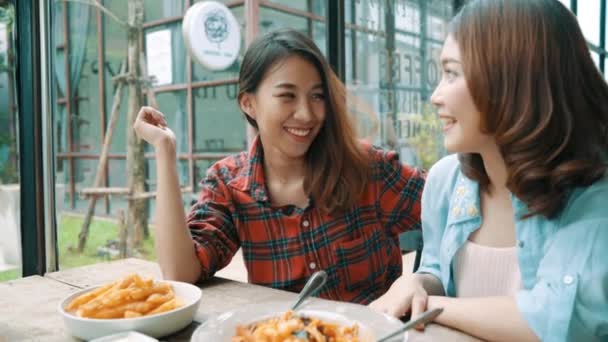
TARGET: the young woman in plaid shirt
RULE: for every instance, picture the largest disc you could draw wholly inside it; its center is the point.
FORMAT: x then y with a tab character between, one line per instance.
306	196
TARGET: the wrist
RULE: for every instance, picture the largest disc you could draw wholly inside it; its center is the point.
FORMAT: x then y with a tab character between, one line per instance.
166	147
443	302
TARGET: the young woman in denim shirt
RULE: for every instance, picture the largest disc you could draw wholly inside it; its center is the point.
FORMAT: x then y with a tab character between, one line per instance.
526	111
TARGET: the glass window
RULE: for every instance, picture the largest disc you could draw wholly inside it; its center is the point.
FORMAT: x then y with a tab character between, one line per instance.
317	7
606	28
271	19
10	228
219	124
160	9
589	19
86	89
565	3
391	72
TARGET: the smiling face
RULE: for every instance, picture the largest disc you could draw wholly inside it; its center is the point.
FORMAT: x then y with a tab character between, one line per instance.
288	107
458	113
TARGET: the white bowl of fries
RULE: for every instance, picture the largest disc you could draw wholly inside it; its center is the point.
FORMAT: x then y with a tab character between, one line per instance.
154	308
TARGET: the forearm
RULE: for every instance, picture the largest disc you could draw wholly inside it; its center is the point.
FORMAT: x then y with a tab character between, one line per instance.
489	318
174	245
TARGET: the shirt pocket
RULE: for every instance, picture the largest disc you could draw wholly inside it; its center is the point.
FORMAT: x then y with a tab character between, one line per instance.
364	264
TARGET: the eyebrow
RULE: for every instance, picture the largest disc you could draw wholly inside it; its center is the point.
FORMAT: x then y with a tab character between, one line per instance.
293	86
445	61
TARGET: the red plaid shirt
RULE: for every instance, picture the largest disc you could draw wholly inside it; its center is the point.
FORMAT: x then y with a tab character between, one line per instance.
283	246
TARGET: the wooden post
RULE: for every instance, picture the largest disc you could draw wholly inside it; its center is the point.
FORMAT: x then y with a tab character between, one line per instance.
136	216
122	234
151	99
103	159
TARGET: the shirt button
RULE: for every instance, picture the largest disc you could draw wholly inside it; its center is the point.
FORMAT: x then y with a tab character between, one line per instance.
305	223
568	279
520	244
312	265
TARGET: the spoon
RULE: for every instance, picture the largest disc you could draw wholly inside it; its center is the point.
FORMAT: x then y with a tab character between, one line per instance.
425	317
314	284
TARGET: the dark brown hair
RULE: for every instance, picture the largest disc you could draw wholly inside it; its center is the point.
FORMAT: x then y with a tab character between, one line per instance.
337	169
531	76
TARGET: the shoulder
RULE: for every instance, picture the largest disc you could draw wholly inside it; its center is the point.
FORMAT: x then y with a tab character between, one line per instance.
385	162
229	169
443	175
378	155
587	205
582	234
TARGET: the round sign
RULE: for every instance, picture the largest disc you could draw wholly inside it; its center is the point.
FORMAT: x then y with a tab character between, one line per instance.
212	35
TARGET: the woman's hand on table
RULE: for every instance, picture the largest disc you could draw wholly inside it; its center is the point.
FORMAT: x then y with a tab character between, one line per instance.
407	294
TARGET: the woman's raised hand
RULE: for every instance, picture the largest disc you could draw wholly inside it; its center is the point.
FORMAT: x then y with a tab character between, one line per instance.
151	126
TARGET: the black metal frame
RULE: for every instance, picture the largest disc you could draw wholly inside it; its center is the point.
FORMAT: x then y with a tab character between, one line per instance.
28	73
335	37
603	35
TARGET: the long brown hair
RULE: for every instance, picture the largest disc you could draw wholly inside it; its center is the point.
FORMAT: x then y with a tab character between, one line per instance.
337	169
531	76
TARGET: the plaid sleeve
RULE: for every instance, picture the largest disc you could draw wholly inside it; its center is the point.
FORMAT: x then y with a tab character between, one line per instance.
211	225
400	194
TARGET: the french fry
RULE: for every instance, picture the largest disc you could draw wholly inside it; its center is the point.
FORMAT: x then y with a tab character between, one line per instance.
85	298
132	314
167	306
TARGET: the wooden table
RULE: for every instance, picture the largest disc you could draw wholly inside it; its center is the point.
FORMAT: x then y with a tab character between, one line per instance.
28	306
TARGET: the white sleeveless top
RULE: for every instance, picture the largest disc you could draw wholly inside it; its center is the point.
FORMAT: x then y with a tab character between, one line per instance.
482	271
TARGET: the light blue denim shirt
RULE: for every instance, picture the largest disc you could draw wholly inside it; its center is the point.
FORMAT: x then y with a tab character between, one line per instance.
563	261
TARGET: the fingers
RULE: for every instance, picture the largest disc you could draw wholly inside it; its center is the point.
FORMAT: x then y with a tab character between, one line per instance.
391	307
152	116
418	307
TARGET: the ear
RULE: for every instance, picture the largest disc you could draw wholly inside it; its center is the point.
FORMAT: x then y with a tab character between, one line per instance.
247	103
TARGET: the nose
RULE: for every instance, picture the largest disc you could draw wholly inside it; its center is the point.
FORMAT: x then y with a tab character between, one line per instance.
304	112
436	98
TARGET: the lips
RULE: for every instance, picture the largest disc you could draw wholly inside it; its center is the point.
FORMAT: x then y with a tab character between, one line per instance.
299	132
448	122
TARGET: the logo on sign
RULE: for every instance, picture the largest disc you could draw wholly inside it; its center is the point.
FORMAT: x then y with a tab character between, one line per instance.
216	27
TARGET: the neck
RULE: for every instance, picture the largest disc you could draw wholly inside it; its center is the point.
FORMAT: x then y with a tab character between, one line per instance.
496	169
278	167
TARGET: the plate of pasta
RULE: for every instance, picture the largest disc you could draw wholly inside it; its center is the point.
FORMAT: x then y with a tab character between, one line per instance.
154	307
319	320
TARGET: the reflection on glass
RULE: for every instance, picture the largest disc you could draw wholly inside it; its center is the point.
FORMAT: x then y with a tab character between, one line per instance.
392	51
317	7
10	229
219	124
88	89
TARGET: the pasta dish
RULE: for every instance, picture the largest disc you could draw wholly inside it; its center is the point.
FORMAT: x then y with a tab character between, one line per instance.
290	327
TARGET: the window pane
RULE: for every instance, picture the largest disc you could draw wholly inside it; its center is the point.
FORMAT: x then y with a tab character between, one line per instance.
392	83
219	124
271	20
10	228
589	19
317	7
565	3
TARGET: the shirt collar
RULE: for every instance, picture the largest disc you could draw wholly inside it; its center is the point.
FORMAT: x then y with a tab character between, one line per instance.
252	179
464	203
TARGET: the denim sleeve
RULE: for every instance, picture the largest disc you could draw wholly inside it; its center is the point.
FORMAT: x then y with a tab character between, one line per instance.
569	302
435	203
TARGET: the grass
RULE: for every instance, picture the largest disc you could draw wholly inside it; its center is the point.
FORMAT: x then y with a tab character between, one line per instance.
100	232
10	275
